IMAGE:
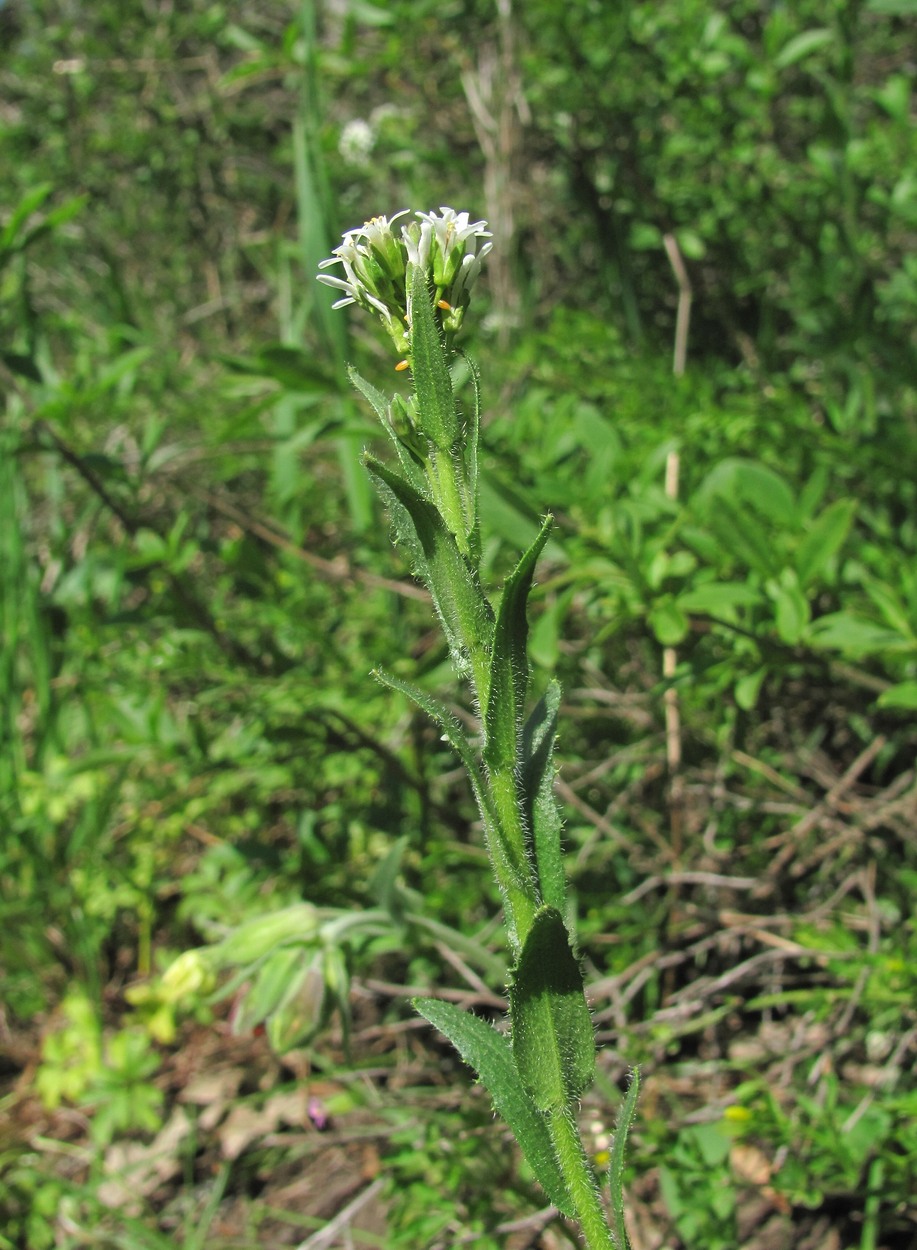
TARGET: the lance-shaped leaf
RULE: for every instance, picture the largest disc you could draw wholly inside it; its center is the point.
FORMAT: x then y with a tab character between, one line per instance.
452	730
509	674
370	392
542	816
470	454
616	1170
512	872
825	537
462	606
432	383
409	460
553	1042
490	1055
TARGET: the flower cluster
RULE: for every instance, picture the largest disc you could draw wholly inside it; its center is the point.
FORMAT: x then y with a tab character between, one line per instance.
378	267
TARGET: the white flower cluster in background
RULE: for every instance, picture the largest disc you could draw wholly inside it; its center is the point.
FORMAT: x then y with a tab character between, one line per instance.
356	142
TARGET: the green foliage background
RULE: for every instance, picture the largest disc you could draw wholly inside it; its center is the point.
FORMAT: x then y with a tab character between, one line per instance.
195	583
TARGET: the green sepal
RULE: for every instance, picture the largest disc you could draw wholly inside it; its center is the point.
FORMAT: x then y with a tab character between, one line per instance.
509	675
542	816
432	383
455	586
490	1055
553	1042
513	877
616	1170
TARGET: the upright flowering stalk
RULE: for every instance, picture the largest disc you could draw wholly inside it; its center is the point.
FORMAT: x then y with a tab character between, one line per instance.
419	283
442	252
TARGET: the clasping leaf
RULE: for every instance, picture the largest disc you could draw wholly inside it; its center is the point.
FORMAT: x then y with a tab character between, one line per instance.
489	1053
553	1042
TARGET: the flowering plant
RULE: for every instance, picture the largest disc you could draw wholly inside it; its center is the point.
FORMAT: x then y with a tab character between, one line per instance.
379	266
419	283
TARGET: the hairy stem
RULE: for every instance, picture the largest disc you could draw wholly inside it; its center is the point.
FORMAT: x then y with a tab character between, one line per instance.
577	1173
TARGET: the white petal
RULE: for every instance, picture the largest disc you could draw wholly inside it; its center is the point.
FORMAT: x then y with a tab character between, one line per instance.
336	282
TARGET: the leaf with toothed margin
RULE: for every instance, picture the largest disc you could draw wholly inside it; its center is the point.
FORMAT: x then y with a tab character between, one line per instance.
409	460
509	674
490	1054
541	811
616	1169
506	869
463	608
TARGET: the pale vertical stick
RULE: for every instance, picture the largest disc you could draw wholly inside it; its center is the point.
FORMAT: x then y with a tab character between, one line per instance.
683	315
499	111
669	655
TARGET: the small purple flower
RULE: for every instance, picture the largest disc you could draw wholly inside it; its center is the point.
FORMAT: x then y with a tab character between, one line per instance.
315	1110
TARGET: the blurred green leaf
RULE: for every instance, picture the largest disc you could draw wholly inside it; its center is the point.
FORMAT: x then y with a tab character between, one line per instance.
734	479
893	610
691	244
748	689
802	46
903	695
824	538
792	608
718	598
669	622
855	635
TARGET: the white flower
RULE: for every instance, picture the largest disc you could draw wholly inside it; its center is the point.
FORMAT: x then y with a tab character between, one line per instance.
455	236
378	267
468	274
453	228
378	230
418	248
357	141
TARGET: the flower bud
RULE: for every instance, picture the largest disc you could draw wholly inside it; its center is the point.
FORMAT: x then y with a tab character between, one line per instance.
189	975
256	938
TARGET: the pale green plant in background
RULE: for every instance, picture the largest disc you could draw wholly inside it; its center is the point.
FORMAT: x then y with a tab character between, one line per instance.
419	283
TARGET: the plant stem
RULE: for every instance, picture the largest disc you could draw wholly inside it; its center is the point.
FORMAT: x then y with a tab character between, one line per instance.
581	1183
524	890
443	477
